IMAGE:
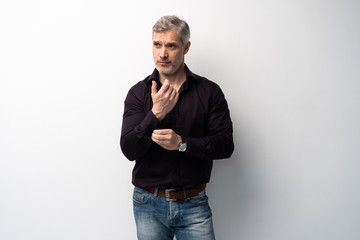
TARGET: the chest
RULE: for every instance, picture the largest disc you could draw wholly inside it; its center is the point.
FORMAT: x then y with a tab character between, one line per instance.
188	117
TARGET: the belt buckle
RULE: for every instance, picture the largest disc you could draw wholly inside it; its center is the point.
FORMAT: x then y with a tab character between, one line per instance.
167	194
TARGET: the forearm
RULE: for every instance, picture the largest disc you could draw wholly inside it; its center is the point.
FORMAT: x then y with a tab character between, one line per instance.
210	147
135	138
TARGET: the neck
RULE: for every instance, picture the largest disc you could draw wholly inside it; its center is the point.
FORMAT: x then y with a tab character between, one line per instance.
176	79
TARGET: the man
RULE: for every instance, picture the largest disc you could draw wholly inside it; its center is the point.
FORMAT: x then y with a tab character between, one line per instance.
175	124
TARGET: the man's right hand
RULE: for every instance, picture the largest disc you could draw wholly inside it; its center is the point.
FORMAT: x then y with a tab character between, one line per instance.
164	100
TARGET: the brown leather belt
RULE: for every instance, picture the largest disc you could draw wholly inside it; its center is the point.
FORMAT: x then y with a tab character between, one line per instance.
177	194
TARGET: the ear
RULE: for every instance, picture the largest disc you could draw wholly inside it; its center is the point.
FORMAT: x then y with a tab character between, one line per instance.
187	46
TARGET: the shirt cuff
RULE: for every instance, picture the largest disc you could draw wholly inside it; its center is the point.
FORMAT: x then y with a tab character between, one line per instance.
149	123
195	147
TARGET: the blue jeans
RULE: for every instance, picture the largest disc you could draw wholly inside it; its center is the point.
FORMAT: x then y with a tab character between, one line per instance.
158	219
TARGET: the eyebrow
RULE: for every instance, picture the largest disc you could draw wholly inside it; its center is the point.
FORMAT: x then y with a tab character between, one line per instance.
158	41
172	43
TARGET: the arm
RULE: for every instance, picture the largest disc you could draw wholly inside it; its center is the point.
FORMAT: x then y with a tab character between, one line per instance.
218	142
137	125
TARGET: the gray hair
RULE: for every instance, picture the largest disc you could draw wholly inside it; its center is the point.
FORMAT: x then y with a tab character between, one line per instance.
171	22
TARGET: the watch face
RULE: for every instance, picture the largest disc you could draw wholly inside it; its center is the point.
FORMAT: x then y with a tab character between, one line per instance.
182	147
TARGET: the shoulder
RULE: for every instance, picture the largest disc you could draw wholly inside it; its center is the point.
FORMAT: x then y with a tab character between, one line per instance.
208	86
145	84
139	90
141	86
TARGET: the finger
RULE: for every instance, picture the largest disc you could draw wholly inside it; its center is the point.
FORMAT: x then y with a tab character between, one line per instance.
160	138
173	95
161	144
164	88
153	88
154	139
162	131
169	92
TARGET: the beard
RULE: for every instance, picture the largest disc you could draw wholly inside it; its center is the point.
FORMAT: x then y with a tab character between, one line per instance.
174	66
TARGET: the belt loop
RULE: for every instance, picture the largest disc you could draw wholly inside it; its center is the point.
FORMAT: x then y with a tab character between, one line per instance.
156	190
184	193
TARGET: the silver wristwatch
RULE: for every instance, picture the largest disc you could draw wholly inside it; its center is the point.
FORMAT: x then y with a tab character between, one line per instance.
182	147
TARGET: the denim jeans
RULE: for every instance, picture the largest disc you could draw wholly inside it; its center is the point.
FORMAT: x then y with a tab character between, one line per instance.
158	219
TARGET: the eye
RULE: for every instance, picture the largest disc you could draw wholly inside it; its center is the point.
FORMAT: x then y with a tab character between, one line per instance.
156	44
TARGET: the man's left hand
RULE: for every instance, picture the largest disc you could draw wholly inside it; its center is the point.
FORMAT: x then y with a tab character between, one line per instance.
166	138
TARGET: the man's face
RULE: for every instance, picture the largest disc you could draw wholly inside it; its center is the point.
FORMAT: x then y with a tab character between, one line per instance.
168	51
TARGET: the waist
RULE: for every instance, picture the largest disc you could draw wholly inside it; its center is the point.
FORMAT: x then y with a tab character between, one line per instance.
177	194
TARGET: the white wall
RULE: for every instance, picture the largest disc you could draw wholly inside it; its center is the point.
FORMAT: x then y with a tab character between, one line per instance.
289	69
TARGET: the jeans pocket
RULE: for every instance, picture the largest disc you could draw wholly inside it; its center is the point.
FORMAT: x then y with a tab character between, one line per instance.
140	196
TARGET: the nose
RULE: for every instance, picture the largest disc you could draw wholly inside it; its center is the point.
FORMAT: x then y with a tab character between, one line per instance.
163	53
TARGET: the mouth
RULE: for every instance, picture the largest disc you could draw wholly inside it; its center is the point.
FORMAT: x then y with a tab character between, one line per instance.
164	62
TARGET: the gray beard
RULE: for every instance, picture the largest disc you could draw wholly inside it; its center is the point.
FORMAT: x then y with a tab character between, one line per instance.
166	72
169	71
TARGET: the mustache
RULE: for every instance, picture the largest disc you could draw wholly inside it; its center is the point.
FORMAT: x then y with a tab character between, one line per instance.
163	61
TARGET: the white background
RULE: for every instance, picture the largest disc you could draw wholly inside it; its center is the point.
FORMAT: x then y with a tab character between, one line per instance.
290	72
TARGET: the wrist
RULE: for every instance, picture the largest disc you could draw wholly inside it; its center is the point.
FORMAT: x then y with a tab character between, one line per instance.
182	146
158	115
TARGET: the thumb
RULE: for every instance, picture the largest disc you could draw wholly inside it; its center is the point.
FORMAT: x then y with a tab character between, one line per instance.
153	88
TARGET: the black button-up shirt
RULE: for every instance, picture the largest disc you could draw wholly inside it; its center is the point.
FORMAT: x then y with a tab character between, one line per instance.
201	117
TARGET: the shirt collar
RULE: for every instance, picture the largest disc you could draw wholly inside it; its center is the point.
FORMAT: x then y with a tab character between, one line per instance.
155	76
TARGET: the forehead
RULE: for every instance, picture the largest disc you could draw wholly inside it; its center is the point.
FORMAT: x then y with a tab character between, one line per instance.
168	36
